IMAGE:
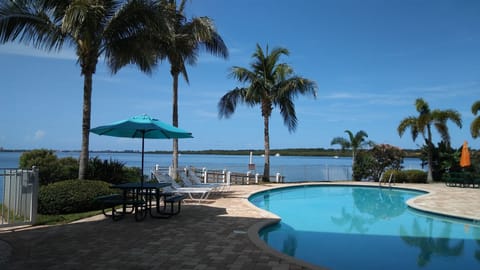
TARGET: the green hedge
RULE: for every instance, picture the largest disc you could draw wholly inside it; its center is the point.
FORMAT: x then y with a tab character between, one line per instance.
71	196
408	176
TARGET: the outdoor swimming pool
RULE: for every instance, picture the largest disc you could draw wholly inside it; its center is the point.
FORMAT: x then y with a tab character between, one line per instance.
349	227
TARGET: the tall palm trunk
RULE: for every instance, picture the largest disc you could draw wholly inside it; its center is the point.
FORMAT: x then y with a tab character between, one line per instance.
175	123
87	106
354	154
430	155
266	168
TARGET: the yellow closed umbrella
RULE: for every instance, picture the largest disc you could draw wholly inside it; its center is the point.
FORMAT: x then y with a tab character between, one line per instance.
465	156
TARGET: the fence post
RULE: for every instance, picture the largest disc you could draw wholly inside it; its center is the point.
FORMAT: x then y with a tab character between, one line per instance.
248	177
229	175
223	175
256	178
35	189
205	175
277	177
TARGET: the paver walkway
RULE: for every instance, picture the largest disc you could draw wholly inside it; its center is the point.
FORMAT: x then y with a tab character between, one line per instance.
204	236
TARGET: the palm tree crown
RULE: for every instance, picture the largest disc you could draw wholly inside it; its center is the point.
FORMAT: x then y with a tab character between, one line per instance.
268	84
353	142
423	125
113	28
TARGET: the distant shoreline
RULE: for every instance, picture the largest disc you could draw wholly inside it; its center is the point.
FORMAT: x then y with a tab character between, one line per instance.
281	152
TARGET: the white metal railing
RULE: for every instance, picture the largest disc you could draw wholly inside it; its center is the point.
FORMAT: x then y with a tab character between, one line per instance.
19	196
286	173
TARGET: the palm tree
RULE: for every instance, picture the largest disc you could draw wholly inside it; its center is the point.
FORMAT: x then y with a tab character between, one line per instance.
114	28
423	125
353	142
269	84
475	126
430	246
183	42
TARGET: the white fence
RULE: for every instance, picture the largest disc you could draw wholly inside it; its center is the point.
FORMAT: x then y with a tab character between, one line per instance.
286	173
18	204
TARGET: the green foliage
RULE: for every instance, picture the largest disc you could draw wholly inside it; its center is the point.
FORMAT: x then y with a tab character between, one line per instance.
372	163
53	169
444	159
408	176
71	196
131	174
64	219
386	157
67	168
364	164
111	171
50	169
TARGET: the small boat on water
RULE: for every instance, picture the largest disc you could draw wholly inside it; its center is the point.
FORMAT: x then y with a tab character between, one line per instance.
277	154
335	156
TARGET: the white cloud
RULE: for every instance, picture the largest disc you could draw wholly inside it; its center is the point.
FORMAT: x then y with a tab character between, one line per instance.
20	49
340	95
39	134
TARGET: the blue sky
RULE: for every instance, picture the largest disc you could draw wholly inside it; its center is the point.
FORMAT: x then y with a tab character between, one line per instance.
371	59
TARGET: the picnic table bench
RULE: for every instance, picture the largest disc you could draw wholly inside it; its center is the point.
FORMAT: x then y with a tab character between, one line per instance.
112	201
172	199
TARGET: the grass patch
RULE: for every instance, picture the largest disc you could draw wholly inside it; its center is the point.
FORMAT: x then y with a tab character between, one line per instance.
64	219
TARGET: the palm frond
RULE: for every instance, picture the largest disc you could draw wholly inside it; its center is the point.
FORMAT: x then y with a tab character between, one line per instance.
128	37
33	23
242	75
476	107
344	143
207	37
422	106
287	110
475	127
228	103
409	122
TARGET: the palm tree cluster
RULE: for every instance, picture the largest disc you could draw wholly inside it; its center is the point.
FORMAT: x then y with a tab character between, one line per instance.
139	32
423	123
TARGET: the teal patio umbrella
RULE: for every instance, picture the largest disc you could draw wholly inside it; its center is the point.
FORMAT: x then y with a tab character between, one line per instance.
142	126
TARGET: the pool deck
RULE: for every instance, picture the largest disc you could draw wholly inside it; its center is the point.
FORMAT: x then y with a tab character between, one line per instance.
220	234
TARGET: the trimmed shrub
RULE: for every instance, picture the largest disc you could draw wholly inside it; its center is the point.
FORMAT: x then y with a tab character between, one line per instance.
53	169
71	196
408	176
45	160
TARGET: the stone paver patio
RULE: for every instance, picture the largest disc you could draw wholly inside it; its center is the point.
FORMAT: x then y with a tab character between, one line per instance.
220	234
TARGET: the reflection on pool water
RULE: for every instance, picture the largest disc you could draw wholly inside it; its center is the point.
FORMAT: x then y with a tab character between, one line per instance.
348	227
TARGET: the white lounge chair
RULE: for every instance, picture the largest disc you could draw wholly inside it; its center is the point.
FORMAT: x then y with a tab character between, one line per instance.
190	179
201	193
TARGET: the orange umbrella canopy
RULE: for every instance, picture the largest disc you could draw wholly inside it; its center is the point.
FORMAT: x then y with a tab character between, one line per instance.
465	156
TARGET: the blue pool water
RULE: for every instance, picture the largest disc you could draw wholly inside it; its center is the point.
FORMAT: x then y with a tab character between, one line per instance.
348	227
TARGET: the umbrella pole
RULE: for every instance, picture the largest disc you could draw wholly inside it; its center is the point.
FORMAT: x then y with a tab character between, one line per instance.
143	146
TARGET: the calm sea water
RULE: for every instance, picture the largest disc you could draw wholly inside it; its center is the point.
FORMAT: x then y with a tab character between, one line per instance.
344	227
292	168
